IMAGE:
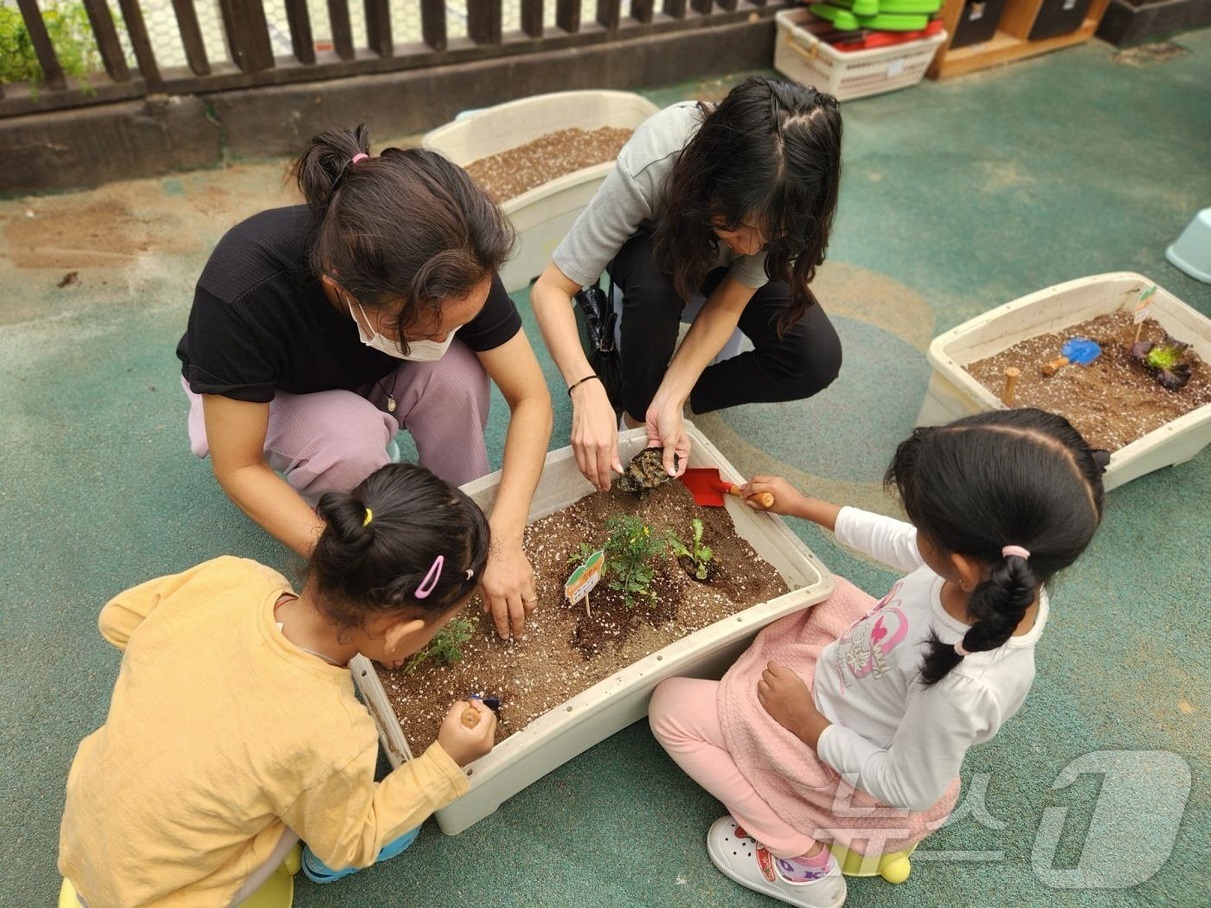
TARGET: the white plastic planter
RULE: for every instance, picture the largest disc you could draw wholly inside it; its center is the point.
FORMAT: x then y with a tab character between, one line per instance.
953	392
543	215
615	702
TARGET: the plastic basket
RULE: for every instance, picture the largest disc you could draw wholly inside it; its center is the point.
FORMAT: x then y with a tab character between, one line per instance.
853	74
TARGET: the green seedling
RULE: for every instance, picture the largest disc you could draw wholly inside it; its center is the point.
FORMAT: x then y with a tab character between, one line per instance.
699	555
446	648
1166	361
630	551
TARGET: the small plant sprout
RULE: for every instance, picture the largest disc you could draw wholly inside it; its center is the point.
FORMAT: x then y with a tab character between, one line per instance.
630	551
697	555
1166	361
446	648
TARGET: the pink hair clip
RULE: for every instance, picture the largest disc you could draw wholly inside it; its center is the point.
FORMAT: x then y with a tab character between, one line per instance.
427	585
360	156
1008	550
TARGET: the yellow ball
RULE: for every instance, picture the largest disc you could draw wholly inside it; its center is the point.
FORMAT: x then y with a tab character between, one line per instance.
896	870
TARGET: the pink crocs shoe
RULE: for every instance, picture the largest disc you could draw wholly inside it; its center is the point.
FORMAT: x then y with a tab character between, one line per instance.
747	861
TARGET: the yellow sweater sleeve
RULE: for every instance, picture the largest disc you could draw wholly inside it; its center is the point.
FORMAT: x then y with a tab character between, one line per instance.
347	819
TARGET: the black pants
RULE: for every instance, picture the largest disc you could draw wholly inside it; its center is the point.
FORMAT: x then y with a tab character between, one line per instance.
797	365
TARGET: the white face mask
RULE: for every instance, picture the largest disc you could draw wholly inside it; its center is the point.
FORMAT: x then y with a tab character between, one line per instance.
419	351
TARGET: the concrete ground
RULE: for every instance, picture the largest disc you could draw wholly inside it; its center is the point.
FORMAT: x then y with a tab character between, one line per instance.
957	196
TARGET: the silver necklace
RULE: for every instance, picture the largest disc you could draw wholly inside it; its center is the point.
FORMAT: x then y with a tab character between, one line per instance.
390	394
282	600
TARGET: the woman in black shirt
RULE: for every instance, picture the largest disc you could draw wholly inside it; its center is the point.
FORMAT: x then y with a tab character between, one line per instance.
319	331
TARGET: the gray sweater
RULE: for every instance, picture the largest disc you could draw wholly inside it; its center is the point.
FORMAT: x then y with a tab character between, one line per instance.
630	196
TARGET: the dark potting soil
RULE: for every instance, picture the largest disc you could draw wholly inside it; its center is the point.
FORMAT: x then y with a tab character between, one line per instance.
516	170
1114	400
565	649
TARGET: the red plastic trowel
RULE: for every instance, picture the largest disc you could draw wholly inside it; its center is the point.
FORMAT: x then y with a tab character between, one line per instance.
708	488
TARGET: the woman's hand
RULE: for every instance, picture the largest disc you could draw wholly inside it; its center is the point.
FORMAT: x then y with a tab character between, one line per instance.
594	425
595	434
461	740
786	698
507	588
666	429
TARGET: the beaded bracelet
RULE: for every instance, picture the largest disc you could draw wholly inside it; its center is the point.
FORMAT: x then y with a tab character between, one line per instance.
577	384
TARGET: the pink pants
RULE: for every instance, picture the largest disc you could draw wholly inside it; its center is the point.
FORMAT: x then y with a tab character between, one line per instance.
332	440
685	719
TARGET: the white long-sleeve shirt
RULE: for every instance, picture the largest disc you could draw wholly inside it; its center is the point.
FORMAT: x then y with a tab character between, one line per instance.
892	736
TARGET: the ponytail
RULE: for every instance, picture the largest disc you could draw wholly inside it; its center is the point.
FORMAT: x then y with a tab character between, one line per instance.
324	166
402	539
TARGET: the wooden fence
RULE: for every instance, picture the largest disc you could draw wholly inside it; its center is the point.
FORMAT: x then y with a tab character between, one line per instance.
251	62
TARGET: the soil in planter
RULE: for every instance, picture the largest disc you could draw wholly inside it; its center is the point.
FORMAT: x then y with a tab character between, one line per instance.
565	651
517	170
1114	400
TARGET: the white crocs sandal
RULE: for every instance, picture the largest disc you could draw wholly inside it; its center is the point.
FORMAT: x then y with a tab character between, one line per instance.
740	858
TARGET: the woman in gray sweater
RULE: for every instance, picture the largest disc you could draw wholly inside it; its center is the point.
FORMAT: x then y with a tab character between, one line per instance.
725	209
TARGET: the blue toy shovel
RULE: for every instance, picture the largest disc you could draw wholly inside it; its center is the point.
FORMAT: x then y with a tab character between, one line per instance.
1079	350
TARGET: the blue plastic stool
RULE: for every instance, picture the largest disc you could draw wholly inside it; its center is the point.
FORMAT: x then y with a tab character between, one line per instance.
319	872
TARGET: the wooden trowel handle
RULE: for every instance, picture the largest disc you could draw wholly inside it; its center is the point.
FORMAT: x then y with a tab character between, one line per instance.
764	500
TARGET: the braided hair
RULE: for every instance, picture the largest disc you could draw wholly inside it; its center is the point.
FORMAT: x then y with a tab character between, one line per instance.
381	547
1020	490
770	150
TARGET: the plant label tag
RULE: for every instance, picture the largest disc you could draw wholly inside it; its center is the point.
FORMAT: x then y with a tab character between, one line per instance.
585	577
1144	304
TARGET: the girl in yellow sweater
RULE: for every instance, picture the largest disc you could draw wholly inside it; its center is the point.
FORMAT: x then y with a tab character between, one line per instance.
234	729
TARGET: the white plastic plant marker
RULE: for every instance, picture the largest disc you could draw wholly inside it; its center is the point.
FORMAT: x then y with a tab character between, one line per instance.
615	702
953	392
544	215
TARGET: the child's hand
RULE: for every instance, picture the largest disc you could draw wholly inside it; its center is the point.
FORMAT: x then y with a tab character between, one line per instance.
785	495
461	739
786	698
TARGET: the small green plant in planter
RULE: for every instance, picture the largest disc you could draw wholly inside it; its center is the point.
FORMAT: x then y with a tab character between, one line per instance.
630	550
696	558
446	647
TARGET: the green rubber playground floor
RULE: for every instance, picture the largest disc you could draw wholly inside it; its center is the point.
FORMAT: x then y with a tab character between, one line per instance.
958	196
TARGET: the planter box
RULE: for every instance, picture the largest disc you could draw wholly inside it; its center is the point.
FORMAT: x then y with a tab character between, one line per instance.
543	215
614	703
953	393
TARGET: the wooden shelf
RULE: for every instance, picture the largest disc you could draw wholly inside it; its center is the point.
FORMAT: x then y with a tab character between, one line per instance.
1010	42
